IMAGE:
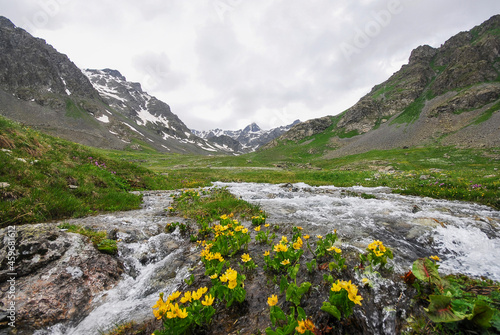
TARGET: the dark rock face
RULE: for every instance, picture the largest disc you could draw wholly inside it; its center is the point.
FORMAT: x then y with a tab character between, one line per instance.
30	68
57	276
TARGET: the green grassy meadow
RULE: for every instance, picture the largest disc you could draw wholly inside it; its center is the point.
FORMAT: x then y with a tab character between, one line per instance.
50	179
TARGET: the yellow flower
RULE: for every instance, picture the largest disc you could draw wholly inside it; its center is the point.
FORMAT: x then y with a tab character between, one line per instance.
196	295
257	228
284	240
285	262
267	225
298	244
238	228
272	300
186	298
435	258
301	328
173	296
337	250
267	253
214	276
244	231
181	313
365	281
229	275
306	237
246	258
336	287
356	299
209	300
299	228
319	236
310	325
280	247
232	284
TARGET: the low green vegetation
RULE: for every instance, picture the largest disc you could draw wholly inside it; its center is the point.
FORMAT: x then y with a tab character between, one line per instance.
98	238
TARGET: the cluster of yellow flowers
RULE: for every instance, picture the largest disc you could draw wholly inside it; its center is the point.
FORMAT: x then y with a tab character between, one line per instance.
298	244
170	308
230	277
352	290
305	325
280	247
377	247
209	256
337	250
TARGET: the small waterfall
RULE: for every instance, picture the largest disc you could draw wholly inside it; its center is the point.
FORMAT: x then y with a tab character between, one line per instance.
154	262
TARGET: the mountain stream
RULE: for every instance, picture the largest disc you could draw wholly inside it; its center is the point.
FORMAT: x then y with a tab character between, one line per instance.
465	236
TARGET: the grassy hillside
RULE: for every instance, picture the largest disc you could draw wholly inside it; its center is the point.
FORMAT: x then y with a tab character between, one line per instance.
45	178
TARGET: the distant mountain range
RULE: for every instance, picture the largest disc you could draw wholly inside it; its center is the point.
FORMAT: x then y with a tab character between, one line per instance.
41	87
244	140
446	96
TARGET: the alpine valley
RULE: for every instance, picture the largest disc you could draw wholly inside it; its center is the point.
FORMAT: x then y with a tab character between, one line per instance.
382	219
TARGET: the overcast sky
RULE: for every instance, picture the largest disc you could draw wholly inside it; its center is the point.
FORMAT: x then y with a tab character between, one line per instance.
227	63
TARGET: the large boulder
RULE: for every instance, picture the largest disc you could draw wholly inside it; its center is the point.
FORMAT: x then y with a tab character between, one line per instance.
54	277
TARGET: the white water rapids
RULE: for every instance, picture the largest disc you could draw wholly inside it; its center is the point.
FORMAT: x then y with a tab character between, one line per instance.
465	236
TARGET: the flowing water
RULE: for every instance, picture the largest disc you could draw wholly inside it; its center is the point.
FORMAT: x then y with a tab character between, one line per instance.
465	236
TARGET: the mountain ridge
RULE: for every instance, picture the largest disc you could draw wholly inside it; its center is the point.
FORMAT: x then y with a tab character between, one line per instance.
245	140
443	96
43	88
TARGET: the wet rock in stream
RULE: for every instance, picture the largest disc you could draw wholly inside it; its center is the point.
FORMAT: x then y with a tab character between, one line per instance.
57	275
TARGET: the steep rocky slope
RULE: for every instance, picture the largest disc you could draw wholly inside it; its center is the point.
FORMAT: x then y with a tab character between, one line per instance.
448	95
41	87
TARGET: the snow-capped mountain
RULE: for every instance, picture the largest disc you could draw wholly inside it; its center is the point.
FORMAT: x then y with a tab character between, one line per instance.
244	140
149	115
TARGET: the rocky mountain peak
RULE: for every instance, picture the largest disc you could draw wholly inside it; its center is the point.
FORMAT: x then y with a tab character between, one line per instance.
423	53
6	23
253	127
114	73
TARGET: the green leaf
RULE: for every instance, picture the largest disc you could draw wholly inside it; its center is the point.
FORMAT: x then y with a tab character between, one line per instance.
330	309
301	314
440	310
495	321
269	331
482	314
292	271
425	270
283	284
